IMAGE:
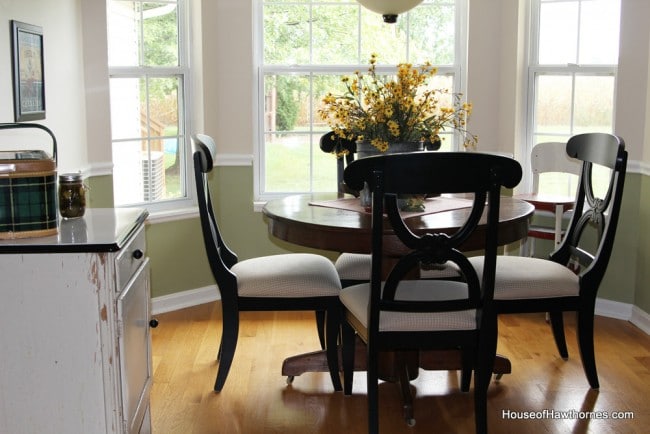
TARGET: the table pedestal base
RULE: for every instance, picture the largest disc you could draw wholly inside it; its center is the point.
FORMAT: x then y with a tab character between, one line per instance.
434	360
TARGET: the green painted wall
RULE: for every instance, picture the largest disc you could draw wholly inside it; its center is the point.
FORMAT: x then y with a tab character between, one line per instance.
642	234
100	191
178	261
620	282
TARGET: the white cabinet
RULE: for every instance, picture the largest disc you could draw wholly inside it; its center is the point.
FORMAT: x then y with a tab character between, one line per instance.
75	349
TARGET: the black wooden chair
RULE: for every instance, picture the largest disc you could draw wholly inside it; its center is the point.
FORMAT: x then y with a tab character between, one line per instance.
570	278
398	312
287	282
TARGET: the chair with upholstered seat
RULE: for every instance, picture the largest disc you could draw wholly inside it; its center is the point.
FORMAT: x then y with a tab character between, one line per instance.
397	310
547	158
286	282
569	280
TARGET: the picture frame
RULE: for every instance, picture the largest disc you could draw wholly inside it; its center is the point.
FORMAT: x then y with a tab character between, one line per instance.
28	71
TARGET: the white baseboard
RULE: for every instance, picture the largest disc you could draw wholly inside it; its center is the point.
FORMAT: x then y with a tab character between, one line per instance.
613	309
183	299
641	319
208	294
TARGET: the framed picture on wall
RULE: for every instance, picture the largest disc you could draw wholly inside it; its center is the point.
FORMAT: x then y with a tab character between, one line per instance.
28	71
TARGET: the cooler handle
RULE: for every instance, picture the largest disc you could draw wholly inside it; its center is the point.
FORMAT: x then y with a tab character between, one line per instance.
9	126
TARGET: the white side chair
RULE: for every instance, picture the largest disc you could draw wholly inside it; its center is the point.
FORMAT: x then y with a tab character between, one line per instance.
549	157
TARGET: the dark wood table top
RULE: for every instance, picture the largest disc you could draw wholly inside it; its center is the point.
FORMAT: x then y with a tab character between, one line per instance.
294	220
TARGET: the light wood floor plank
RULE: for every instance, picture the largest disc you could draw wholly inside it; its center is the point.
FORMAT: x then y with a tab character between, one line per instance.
256	398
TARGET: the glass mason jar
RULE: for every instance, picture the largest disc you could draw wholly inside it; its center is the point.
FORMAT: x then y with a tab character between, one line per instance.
72	195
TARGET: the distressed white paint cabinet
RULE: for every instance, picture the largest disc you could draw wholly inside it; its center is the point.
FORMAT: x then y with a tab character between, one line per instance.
75	348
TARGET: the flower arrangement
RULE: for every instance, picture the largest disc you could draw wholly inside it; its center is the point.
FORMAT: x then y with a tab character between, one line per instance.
384	110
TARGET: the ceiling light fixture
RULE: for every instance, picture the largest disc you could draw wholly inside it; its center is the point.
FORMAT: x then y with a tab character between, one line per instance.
389	9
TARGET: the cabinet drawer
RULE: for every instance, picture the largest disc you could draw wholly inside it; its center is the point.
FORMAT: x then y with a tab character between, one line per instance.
129	259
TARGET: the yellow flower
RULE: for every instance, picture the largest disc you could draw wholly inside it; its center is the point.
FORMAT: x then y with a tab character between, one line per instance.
401	108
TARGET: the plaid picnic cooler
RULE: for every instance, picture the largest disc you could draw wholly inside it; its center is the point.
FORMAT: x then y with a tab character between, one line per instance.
28	200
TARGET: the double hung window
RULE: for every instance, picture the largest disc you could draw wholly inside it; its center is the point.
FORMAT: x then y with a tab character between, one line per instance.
307	46
572	73
148	71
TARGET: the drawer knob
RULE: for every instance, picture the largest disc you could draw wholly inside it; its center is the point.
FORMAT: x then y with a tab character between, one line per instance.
153	323
137	254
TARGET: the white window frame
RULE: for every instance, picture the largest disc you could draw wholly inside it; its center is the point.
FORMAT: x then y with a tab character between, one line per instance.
458	70
535	70
186	204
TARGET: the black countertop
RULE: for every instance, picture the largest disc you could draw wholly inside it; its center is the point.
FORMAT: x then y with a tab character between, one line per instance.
99	230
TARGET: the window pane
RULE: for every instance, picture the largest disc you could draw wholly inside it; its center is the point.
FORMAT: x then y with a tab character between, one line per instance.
288	160
325	177
594	104
558	184
553	104
148	169
433	38
388	40
126	108
160	34
599	32
128	179
335	39
286	34
286	105
123	34
558	33
163	106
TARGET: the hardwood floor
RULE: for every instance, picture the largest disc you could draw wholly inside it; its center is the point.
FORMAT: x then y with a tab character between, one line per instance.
256	398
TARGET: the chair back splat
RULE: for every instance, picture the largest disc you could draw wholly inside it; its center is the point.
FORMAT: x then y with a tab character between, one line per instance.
399	311
602	212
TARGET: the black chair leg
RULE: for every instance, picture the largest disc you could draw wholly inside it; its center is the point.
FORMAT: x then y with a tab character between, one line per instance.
333	326
557	325
405	389
372	378
228	346
467	361
347	354
487	351
585	332
320	325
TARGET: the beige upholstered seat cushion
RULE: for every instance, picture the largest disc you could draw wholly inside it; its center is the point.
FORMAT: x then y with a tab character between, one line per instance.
520	277
356	266
355	299
289	275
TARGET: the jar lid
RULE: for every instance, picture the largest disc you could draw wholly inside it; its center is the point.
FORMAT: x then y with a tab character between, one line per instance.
70	177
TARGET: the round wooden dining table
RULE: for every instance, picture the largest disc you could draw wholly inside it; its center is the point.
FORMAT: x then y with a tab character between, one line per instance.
299	220
296	220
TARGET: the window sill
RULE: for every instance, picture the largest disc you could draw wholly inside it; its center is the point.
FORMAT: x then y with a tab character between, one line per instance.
173	215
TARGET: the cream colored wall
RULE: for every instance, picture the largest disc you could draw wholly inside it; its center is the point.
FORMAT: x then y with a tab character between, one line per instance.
633	82
65	102
228	82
